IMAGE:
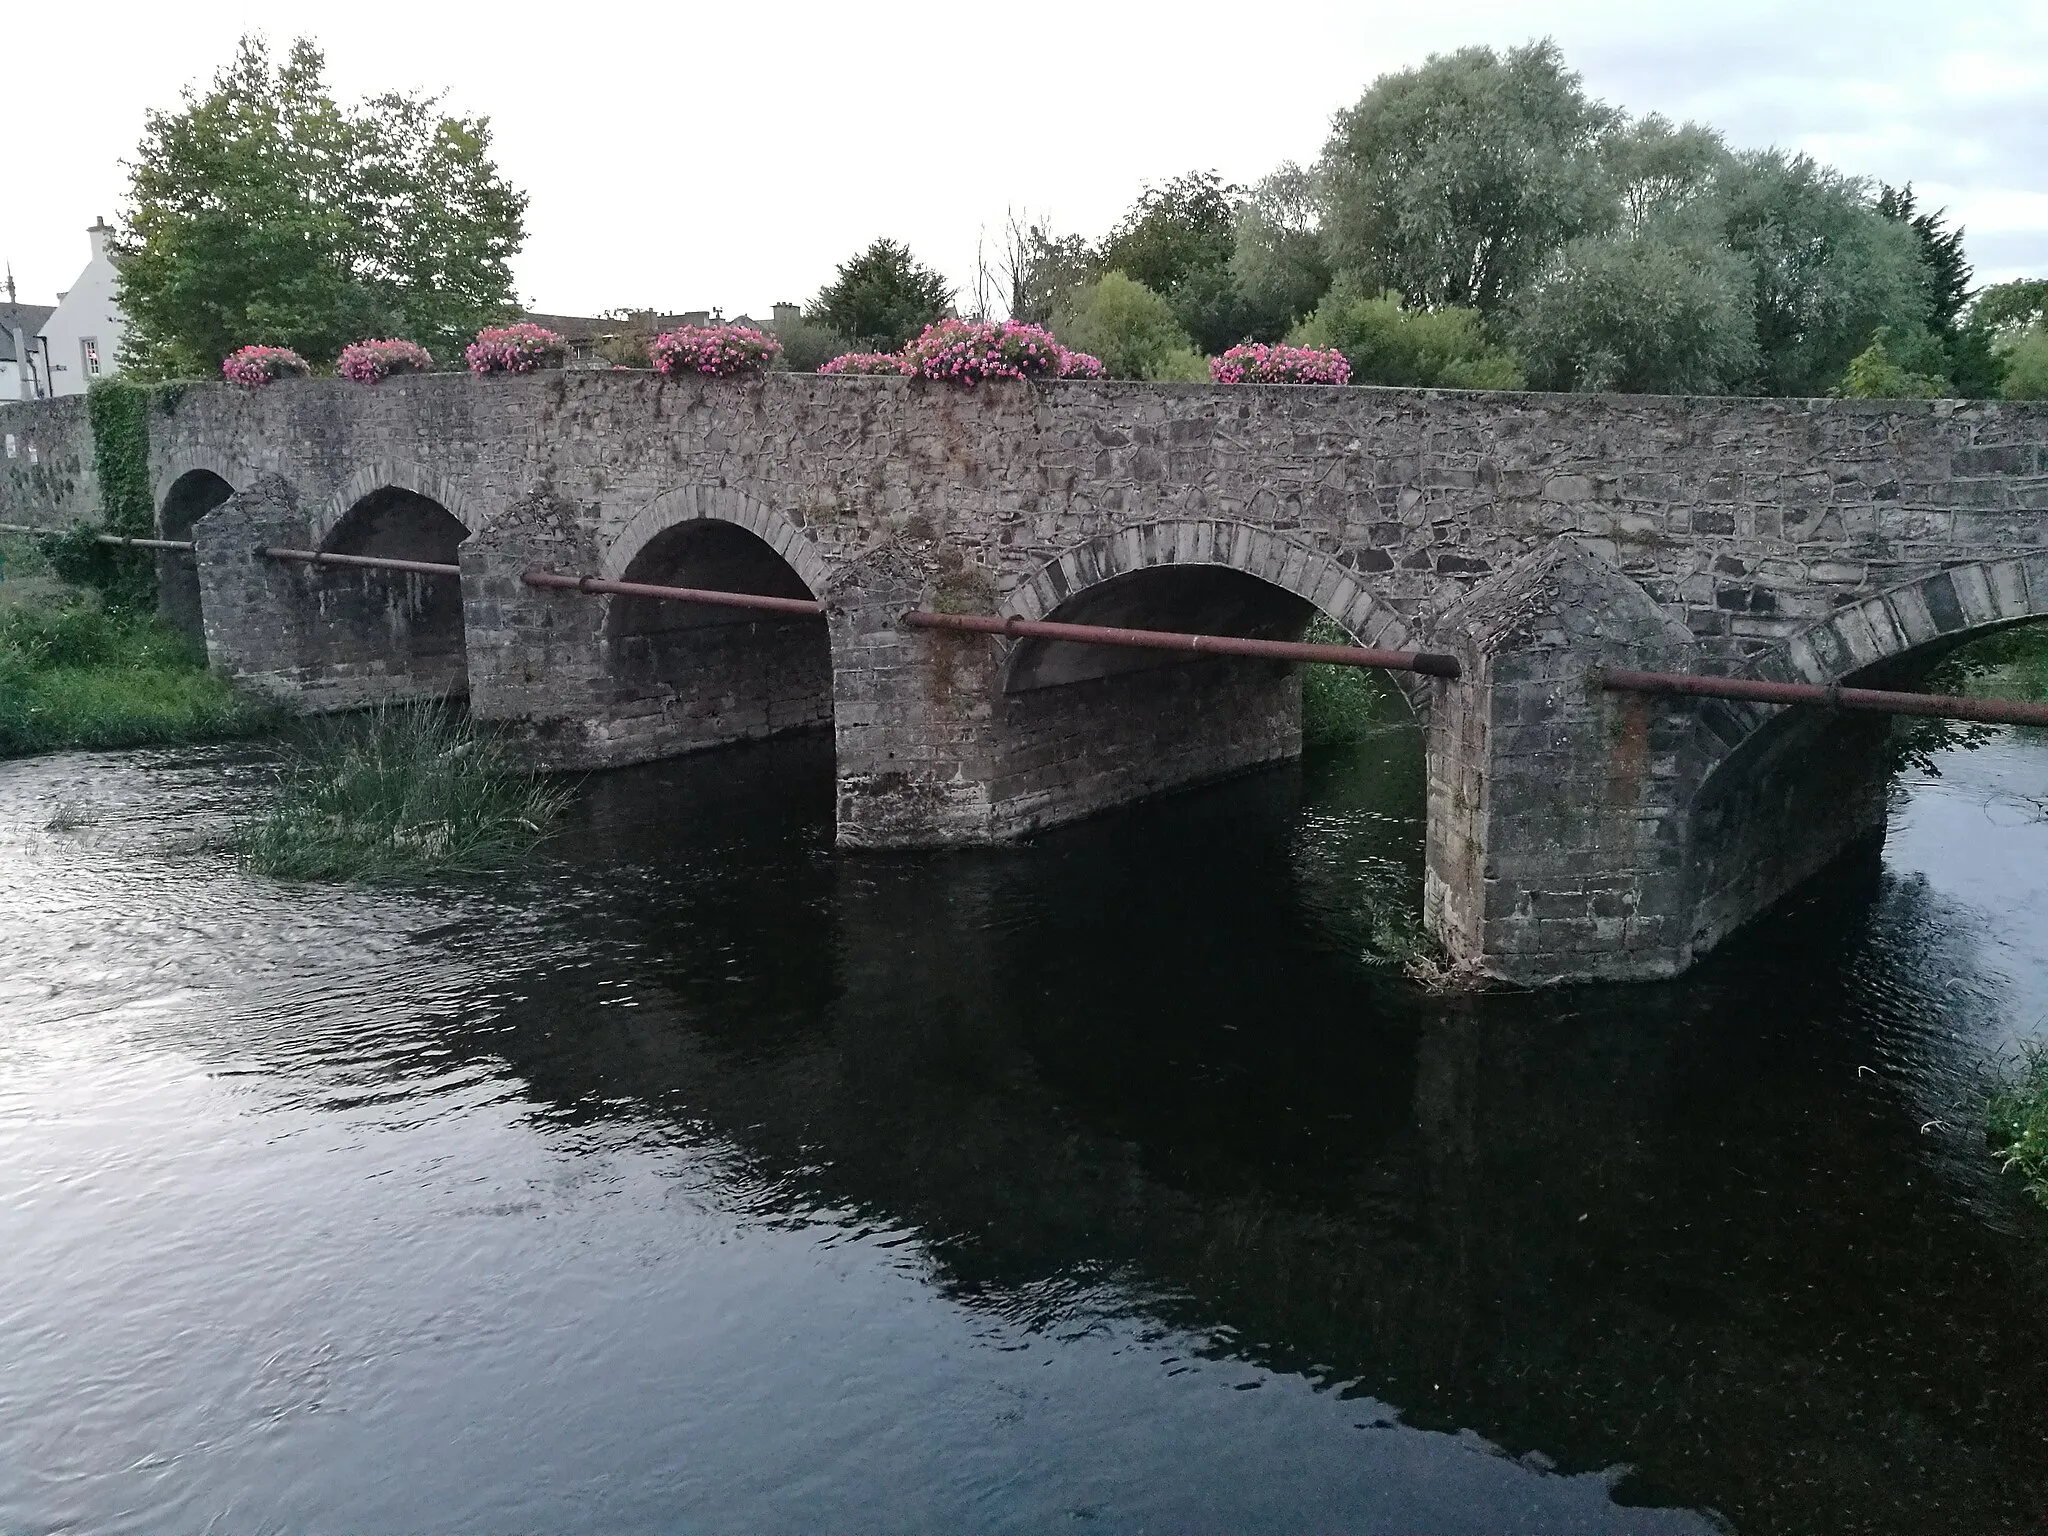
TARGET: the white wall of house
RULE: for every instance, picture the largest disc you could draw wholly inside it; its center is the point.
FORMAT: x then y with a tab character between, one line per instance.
84	335
11	382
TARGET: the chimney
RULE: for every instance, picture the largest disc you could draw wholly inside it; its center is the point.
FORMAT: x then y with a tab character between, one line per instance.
98	234
786	314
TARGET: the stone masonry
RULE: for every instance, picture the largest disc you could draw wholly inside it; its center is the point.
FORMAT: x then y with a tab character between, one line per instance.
1572	833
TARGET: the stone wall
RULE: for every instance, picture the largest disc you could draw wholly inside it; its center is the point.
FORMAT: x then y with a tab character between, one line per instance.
46	473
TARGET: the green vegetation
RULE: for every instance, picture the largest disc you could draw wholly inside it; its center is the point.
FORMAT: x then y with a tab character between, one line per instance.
881	298
2012	664
2017	1121
1344	705
1388	343
1875	374
399	791
1131	328
80	676
265	211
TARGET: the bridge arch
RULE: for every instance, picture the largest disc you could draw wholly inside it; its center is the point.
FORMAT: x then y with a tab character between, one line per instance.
1081	728
685	676
1782	791
191	487
399	475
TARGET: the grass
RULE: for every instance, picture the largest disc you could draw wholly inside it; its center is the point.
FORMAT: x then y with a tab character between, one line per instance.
77	676
1341	706
2017	1121
399	791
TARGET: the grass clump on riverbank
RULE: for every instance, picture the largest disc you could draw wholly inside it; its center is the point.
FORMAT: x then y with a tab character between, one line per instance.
2018	1121
77	676
1341	706
398	791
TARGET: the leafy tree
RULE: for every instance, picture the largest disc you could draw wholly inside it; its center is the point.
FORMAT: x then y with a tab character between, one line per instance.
1179	240
2026	367
1660	176
1039	267
1387	343
882	297
1131	328
1638	314
1828	269
1453	182
2010	308
1969	362
1278	261
263	211
1876	374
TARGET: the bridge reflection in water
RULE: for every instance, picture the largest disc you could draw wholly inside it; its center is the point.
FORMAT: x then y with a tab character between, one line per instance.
712	1175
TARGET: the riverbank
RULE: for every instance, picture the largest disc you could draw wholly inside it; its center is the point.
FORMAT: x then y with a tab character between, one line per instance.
73	675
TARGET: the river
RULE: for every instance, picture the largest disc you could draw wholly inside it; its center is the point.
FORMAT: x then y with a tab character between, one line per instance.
701	1178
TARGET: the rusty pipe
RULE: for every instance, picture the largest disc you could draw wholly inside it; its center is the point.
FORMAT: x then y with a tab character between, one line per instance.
595	584
104	538
1834	696
365	562
1430	664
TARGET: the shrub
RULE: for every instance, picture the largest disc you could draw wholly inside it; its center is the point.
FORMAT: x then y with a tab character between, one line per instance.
253	367
368	361
1879	373
966	352
1257	363
1387	343
1118	319
808	344
721	351
863	362
401	790
521	348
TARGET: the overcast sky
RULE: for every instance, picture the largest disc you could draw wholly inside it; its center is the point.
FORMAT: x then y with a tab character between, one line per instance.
685	155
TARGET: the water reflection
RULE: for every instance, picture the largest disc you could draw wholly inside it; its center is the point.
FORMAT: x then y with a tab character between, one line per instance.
705	1173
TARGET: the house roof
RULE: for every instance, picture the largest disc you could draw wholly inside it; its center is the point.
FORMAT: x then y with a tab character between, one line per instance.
28	317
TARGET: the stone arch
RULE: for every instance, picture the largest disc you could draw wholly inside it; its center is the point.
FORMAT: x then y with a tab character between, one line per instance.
234	472
1781	791
393	474
717	504
1314	577
1078	729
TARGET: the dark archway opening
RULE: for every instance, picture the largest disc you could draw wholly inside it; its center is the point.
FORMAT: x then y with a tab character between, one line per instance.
191	496
400	633
1810	785
689	675
1083	728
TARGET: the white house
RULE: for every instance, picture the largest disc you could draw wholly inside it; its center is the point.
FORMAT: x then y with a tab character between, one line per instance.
82	339
21	360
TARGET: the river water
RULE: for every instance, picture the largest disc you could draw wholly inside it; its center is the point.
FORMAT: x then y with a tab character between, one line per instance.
700	1178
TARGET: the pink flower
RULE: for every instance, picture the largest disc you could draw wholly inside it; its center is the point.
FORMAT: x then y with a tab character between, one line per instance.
368	361
1258	363
253	367
722	351
520	348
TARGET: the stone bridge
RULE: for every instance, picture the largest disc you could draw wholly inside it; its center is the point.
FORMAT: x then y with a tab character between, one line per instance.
1572	833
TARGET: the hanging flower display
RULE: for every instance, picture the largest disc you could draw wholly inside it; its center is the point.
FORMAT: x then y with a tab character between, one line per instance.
368	361
966	352
863	362
253	367
721	351
1079	365
521	348
1257	363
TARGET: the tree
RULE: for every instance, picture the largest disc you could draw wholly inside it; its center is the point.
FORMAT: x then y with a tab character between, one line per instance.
1277	259
806	342
882	297
1038	267
1453	182
2026	367
1387	343
1875	374
1638	314
265	212
1828	269
1969	363
1178	240
1131	328
1660	176
2008	309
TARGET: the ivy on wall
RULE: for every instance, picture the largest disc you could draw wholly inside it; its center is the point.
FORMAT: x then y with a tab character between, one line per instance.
124	578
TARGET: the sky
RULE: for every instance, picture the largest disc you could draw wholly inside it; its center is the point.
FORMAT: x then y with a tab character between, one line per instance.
685	155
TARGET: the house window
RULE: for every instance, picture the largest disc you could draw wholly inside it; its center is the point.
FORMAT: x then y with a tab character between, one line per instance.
90	347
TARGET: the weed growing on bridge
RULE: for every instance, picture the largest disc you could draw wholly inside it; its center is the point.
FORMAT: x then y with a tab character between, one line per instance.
1343	705
2018	1121
79	676
399	791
